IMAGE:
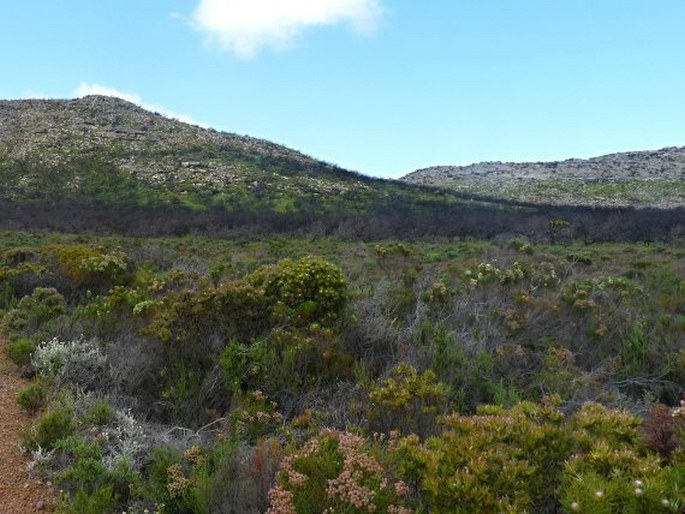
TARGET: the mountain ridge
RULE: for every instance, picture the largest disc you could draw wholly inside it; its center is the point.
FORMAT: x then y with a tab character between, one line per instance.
658	174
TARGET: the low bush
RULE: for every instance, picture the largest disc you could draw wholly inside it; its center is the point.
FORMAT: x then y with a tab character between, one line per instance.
21	350
56	424
336	472
32	398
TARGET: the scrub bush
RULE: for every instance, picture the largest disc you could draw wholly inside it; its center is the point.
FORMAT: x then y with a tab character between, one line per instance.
335	472
303	291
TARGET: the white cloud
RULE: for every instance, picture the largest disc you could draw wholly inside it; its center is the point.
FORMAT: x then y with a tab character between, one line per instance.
85	89
246	26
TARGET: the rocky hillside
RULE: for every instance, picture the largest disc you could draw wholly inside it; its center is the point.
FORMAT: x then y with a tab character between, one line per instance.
60	145
642	179
103	164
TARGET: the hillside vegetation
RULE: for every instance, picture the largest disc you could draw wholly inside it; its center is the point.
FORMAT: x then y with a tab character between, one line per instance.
198	375
630	179
103	164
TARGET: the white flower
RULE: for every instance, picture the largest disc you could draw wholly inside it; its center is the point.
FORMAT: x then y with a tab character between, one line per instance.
599	494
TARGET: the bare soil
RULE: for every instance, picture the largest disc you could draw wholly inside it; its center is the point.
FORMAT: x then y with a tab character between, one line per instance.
19	493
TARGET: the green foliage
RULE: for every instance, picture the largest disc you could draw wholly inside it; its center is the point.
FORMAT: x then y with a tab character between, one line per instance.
101	412
21	350
204	333
407	401
233	309
613	474
32	311
32	397
340	471
91	484
56	424
499	460
247	366
254	415
100	501
303	291
92	267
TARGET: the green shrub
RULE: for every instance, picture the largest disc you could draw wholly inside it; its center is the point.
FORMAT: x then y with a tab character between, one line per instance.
310	289
612	473
92	267
101	412
407	401
100	501
57	423
499	460
44	304
247	366
254	415
21	350
32	397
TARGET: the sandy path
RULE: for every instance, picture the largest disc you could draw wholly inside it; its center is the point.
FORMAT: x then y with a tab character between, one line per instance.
19	494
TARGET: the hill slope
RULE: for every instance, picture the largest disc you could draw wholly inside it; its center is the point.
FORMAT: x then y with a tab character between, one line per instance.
57	145
103	164
640	179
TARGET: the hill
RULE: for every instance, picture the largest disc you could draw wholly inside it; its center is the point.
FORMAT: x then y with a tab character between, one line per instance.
638	179
57	147
106	165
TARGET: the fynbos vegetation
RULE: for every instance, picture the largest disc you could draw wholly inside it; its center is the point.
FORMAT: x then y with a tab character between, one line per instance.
204	334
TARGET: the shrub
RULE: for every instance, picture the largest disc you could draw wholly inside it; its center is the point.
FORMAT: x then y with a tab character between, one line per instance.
44	304
499	460
662	429
101	500
54	425
335	472
21	350
612	473
32	397
310	289
92	267
72	362
247	366
101	412
254	415
407	401
91	481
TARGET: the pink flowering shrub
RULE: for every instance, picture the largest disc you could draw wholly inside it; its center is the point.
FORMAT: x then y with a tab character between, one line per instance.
336	472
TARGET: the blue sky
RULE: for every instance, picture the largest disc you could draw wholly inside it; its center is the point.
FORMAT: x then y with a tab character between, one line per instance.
379	86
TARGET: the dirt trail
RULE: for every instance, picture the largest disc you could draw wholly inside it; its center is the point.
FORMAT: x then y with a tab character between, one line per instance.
19	494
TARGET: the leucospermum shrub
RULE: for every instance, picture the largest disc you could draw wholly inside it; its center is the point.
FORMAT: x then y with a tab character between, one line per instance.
336	472
407	401
306	290
498	460
88	266
255	415
612	473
